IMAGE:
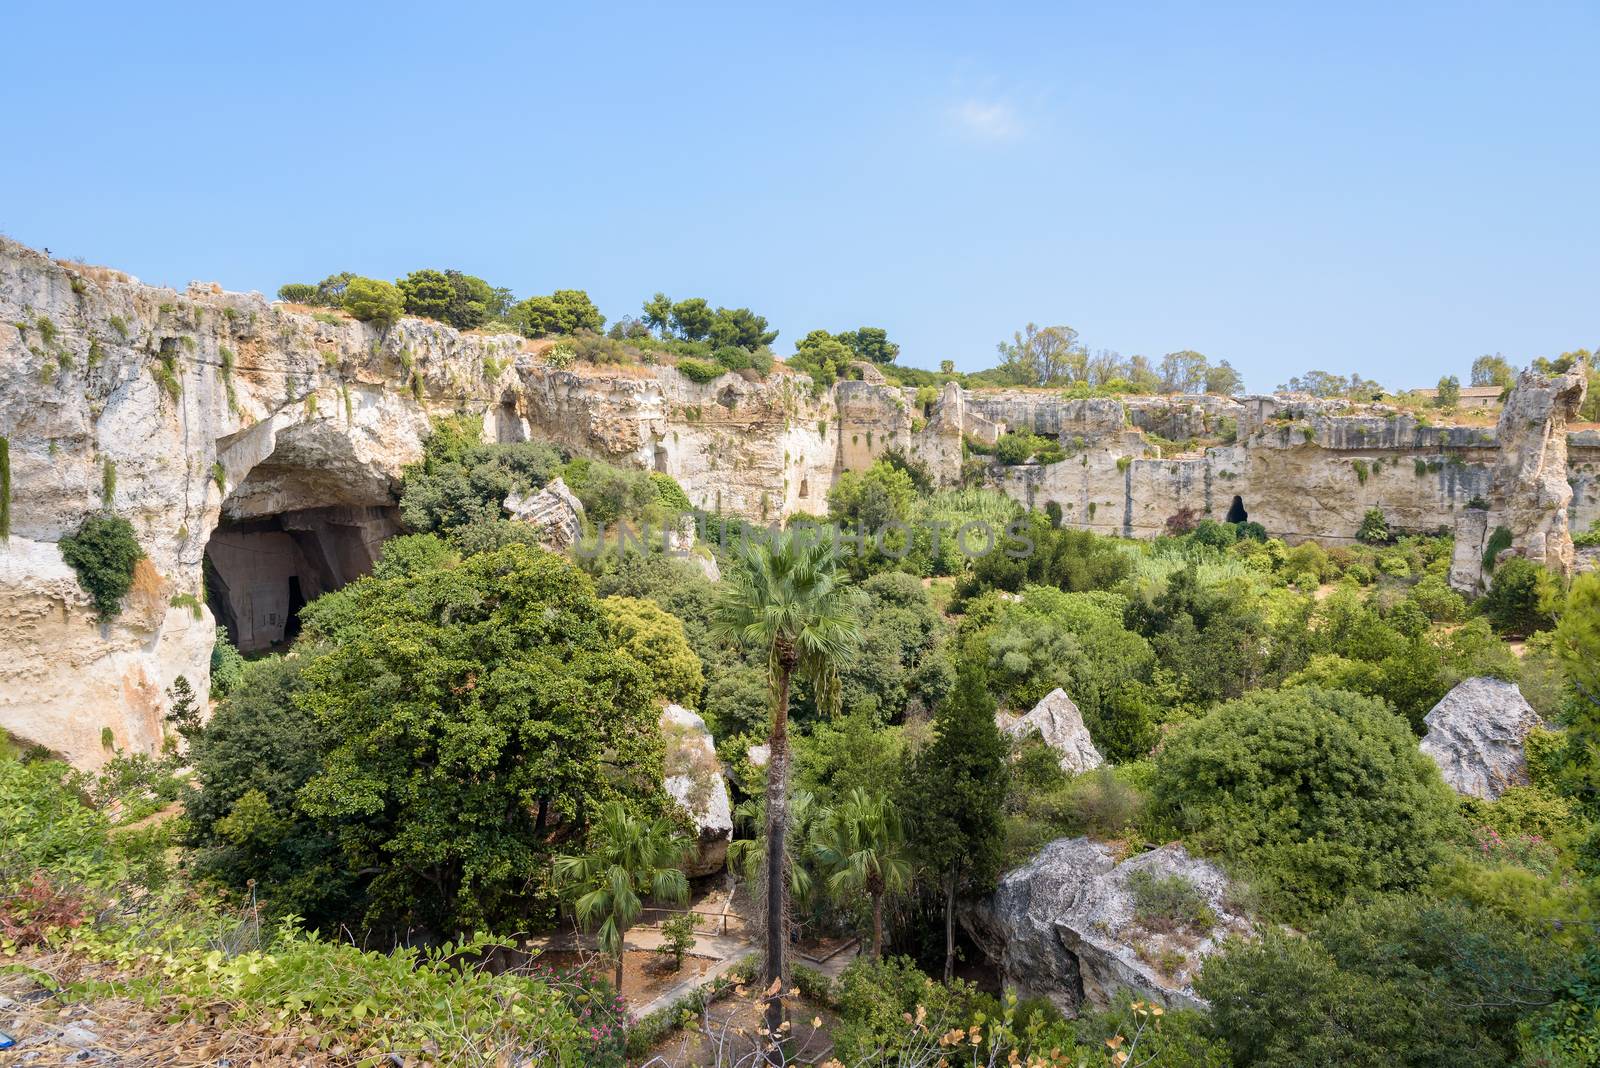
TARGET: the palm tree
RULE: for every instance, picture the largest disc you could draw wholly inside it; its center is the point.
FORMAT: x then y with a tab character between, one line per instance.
627	855
862	844
788	601
748	856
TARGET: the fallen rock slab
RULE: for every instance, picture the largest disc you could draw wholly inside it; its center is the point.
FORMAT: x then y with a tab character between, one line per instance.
1075	926
1476	735
695	781
1059	724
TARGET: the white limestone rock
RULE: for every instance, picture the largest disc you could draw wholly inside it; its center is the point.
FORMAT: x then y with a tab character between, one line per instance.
1476	735
1065	926
554	510
695	781
1059	723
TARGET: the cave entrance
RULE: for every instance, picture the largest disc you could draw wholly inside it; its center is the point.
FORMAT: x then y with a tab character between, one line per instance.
1236	512
260	572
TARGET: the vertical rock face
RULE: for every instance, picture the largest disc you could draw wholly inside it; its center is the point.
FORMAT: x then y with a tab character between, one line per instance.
1059	724
1074	926
289	429
1532	473
1476	735
694	780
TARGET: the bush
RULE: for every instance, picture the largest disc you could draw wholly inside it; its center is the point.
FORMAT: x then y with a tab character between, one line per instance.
700	371
655	639
103	551
227	666
1523	598
1169	903
373	300
1323	792
1374	529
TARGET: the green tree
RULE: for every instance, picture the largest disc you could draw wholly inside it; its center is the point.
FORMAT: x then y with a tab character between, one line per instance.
868	499
1577	640
1493	371
468	706
692	318
741	328
373	300
955	795
1324	792
1448	395
658	313
861	845
656	639
822	356
1042	356
426	293
1223	379
787	601
627	856
1523	598
870	343
1183	372
564	312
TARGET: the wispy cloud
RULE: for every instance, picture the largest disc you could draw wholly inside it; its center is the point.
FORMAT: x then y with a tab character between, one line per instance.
987	120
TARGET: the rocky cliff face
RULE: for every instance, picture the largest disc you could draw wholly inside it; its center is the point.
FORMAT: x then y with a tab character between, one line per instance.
277	437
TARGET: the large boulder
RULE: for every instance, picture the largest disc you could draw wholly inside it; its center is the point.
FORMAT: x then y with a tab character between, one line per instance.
1476	735
554	511
1076	927
1059	723
694	780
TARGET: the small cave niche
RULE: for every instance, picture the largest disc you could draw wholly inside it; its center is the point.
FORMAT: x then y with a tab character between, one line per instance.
261	571
1236	512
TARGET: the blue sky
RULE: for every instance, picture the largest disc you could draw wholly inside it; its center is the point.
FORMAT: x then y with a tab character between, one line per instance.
1389	188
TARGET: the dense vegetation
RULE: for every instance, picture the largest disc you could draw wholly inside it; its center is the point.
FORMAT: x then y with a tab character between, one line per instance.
466	740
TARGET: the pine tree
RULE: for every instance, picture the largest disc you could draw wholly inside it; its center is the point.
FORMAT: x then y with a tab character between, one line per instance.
955	795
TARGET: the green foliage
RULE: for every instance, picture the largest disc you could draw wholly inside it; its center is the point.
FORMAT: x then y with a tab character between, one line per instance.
561	314
868	499
1169	903
1499	541
1400	981
1448	394
1374	529
1021	446
677	938
227	666
1323	793
103	551
700	371
165	372
859	845
328	293
462	482
656	640
372	300
1523	598
464	708
627	856
462	300
1031	551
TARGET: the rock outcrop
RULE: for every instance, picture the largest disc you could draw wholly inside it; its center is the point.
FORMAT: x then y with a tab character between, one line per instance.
694	780
554	511
1476	735
1074	926
1059	724
274	439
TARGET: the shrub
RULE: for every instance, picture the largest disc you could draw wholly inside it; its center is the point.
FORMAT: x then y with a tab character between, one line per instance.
1169	903
373	300
1523	598
677	938
655	639
103	552
1323	791
700	371
1499	541
227	666
1374	529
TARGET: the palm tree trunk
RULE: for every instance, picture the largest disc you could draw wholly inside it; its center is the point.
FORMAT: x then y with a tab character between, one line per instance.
777	940
949	923
620	952
877	926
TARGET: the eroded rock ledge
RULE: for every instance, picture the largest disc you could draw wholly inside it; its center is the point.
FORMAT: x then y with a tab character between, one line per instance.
183	411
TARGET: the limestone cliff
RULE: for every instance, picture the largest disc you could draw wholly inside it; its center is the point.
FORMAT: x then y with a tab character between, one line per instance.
271	440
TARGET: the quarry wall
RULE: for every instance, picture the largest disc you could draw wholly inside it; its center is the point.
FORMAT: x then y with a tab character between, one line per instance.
186	412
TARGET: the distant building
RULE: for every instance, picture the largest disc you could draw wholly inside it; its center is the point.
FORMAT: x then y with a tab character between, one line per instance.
1471	396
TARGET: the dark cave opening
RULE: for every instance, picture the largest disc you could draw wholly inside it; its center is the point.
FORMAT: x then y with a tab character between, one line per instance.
1236	512
260	572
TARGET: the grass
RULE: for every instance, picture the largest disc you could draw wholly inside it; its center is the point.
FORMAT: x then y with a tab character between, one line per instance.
120	325
219	475
108	481
165	373
1169	903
